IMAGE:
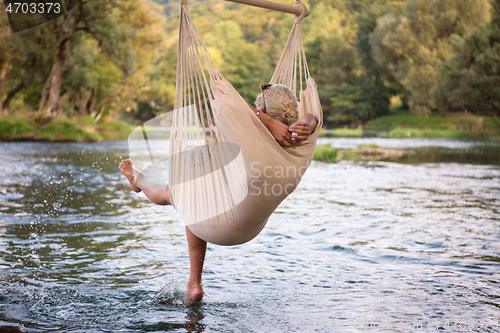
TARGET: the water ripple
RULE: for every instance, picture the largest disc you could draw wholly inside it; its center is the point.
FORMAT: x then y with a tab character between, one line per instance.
384	243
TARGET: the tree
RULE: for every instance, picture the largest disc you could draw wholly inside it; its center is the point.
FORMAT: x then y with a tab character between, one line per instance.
334	65
5	53
412	45
470	80
376	81
22	57
101	45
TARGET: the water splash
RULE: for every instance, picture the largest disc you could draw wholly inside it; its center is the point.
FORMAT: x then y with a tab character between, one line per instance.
172	293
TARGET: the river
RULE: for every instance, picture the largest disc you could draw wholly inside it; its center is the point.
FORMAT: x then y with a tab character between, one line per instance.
406	245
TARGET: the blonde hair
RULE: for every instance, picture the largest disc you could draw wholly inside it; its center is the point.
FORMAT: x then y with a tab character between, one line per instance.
280	103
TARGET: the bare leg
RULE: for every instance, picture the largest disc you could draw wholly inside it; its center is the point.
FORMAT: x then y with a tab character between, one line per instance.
197	250
197	246
160	196
127	169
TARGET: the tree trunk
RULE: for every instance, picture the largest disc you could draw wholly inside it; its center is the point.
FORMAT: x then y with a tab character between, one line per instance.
56	80
52	89
3	75
65	98
12	93
84	100
495	121
444	111
20	86
45	95
99	115
496	110
93	97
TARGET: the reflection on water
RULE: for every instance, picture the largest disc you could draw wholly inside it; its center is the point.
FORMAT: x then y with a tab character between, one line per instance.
380	245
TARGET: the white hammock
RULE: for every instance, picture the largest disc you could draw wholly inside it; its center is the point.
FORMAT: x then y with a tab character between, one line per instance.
227	181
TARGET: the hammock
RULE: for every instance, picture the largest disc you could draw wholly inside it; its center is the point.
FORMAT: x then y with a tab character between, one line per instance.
227	174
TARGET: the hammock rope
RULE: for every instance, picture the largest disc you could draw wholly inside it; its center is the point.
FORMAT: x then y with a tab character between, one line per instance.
219	178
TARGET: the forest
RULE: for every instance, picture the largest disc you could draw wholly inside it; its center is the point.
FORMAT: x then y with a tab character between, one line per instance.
116	59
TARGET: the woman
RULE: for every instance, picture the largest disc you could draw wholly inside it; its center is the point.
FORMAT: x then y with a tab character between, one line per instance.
276	107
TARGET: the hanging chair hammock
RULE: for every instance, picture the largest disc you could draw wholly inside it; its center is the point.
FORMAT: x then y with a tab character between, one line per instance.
227	174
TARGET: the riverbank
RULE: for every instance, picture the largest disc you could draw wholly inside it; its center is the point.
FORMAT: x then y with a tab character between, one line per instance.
397	125
406	125
77	129
371	152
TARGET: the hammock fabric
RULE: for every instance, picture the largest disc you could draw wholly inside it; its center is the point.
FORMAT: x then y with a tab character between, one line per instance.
226	182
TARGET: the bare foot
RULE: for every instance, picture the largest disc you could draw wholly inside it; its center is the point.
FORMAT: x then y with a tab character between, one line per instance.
126	167
194	293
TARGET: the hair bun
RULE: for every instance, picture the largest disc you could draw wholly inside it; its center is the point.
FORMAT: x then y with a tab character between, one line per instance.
289	114
280	103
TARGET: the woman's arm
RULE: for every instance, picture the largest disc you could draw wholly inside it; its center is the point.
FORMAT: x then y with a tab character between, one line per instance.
303	128
279	130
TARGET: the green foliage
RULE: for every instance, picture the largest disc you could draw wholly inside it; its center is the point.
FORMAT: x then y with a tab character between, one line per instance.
14	129
470	80
242	63
115	130
348	132
454	125
325	153
66	130
412	46
121	63
245	70
333	65
80	129
425	133
350	100
454	121
371	145
353	87
350	155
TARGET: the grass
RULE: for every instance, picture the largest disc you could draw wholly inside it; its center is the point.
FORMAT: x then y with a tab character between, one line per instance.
364	152
350	155
341	132
67	130
115	130
426	133
61	129
325	153
371	145
348	132
456	124
19	128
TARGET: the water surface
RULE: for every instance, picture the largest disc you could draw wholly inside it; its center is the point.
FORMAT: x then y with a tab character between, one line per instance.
378	246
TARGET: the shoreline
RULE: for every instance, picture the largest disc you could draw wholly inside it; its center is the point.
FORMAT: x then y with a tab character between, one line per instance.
78	129
402	125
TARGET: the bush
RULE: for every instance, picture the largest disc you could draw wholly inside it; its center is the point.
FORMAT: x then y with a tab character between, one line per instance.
115	130
425	133
67	130
348	132
454	125
77	129
371	145
15	129
325	153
